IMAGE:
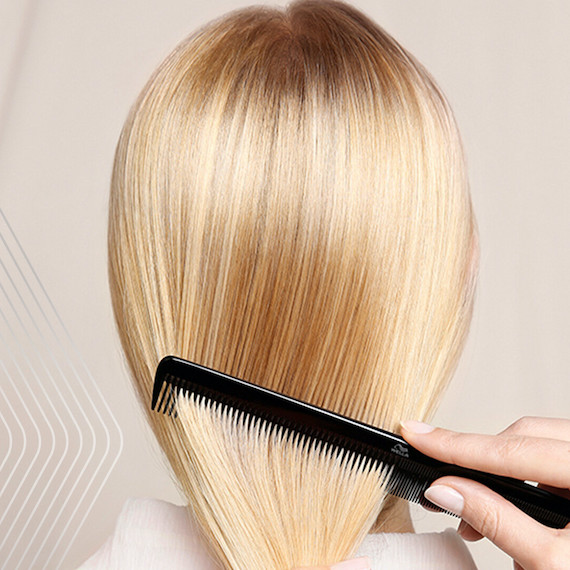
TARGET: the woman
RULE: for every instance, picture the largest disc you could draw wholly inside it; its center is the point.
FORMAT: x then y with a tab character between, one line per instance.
289	205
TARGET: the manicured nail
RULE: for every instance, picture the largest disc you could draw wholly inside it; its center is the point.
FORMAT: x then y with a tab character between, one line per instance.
361	563
416	427
446	498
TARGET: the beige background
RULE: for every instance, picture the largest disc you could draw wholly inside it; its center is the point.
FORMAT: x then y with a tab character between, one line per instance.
68	73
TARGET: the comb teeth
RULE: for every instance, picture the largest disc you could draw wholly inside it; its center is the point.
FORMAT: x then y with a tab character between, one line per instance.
411	471
403	483
171	386
175	377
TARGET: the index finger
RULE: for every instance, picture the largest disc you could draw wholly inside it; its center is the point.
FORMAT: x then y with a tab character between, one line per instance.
528	458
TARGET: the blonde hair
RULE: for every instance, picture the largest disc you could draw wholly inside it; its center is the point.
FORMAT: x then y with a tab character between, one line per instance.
290	205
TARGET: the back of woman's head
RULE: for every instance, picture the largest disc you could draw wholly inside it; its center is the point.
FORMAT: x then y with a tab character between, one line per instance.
290	205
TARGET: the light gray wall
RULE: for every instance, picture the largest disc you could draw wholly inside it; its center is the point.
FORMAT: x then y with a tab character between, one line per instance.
68	73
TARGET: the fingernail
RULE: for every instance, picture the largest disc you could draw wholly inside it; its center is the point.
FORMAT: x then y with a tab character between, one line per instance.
361	563
446	498
416	427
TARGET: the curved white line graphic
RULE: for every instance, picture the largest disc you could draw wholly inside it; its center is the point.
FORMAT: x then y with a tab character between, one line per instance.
10	438
92	477
47	398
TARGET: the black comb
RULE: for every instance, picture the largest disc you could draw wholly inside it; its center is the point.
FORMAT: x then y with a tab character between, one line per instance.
412	472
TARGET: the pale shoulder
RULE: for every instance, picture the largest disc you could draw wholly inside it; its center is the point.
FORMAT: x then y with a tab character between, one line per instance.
409	551
150	533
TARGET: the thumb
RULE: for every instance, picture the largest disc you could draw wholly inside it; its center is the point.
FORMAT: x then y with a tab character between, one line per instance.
513	531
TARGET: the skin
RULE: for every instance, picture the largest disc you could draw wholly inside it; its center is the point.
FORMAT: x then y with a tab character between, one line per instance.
531	449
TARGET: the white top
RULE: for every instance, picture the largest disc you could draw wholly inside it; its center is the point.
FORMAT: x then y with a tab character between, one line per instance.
158	535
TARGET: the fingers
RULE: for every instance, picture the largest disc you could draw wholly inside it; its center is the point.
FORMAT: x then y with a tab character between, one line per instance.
536	449
467	532
550	428
524	457
492	516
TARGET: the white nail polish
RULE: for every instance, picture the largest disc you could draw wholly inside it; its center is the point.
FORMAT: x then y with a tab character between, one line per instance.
446	498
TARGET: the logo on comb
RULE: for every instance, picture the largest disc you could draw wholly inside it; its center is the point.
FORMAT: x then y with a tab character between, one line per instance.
401	450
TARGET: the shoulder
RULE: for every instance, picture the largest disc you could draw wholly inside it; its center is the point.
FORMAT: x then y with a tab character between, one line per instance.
435	550
150	533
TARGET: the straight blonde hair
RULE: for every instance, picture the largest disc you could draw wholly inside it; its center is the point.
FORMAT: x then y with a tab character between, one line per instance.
290	205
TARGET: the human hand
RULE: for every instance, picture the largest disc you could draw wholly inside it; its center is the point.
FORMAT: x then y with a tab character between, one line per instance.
361	563
531	449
